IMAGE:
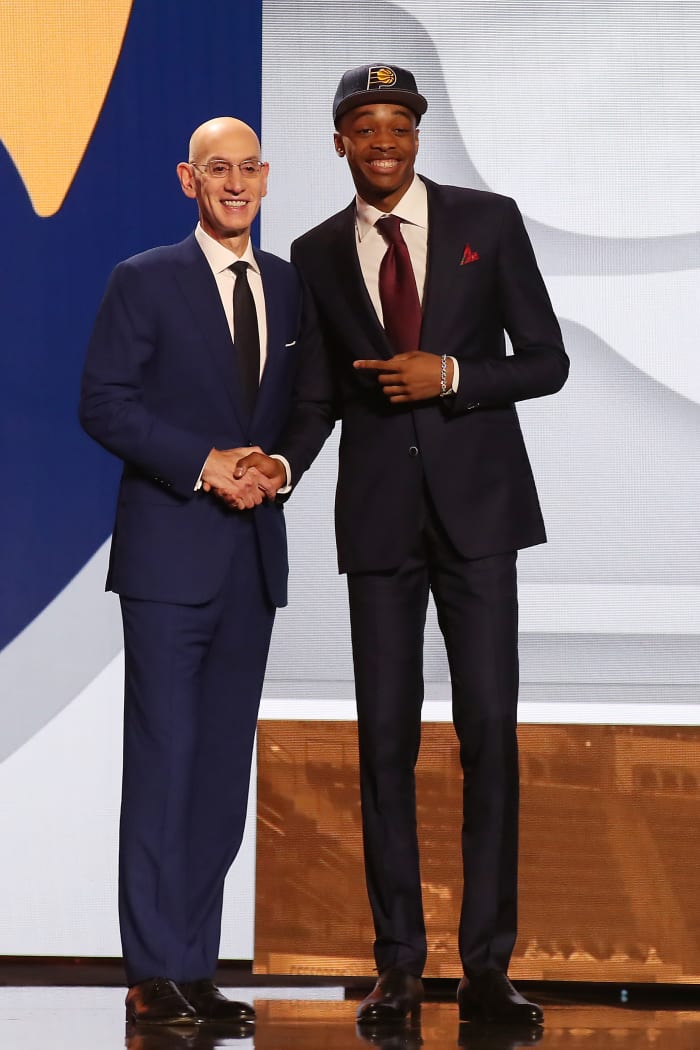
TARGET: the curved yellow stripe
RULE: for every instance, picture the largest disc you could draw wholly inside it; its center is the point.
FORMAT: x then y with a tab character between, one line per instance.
56	62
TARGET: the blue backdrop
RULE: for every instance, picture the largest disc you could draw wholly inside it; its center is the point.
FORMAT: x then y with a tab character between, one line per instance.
180	64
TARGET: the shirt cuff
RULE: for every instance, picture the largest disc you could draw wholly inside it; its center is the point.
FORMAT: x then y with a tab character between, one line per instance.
455	375
198	482
288	471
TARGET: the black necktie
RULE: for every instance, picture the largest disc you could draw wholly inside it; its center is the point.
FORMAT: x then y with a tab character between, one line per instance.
246	337
397	289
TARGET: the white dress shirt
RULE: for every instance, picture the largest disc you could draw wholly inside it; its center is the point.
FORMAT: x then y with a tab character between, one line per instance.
371	246
220	260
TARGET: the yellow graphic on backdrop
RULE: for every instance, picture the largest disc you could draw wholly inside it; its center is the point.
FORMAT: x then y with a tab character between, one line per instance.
57	58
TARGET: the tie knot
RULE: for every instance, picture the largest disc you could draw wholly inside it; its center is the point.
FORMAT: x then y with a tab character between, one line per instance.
239	268
390	228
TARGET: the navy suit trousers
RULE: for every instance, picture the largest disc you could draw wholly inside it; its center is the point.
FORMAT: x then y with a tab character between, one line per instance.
193	680
476	602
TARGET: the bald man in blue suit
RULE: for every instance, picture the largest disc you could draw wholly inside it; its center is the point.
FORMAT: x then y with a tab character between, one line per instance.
198	559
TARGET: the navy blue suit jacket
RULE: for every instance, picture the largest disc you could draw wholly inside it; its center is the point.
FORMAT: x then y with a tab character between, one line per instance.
482	279
160	389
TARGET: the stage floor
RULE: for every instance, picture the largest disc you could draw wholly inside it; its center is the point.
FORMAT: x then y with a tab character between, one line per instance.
78	1018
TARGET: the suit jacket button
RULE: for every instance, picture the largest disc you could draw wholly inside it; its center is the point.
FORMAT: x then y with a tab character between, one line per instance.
413	451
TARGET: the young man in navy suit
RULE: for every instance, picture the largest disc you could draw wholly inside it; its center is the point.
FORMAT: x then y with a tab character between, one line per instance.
191	363
415	285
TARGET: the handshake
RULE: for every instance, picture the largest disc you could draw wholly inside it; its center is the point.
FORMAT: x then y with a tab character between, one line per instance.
243	477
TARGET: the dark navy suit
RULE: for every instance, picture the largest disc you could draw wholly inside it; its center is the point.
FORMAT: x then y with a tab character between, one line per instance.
436	496
198	583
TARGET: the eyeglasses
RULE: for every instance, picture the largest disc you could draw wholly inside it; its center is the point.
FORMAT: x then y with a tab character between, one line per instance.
221	169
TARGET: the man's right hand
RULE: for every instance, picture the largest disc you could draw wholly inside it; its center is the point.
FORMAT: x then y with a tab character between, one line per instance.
242	492
272	472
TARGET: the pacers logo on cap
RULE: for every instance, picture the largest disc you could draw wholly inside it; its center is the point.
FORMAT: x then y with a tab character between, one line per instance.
381	76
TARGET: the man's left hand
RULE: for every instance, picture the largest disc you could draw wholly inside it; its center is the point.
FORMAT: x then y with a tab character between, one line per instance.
409	377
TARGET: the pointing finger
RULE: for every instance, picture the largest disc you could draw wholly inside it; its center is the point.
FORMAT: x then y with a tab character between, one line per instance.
375	366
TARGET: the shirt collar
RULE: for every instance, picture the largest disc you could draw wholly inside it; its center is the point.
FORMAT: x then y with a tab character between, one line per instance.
413	208
220	257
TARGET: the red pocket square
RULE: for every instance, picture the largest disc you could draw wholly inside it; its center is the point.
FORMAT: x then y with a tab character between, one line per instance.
469	256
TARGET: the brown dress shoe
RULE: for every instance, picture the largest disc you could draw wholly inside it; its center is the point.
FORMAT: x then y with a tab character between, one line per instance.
158	1001
489	996
395	996
211	1005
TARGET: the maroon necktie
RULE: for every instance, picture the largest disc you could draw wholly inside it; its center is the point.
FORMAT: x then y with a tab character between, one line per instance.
397	289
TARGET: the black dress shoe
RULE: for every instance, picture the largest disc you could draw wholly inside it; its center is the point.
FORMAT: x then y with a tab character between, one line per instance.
476	1036
196	1037
489	996
390	1037
158	1001
154	1037
211	1005
395	996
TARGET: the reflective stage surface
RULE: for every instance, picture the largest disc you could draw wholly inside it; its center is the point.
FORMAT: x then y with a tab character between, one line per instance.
39	1018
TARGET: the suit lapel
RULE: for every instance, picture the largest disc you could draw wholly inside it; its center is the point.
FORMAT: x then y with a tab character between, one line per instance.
347	275
199	290
440	267
275	336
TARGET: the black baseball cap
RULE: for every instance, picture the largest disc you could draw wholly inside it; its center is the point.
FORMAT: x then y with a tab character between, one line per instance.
377	83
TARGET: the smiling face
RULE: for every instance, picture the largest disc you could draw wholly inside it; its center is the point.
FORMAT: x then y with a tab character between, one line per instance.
381	144
227	206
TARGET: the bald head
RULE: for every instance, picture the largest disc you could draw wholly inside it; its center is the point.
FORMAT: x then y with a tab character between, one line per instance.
226	177
212	136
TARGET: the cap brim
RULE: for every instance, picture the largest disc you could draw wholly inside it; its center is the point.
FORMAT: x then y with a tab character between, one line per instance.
378	96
